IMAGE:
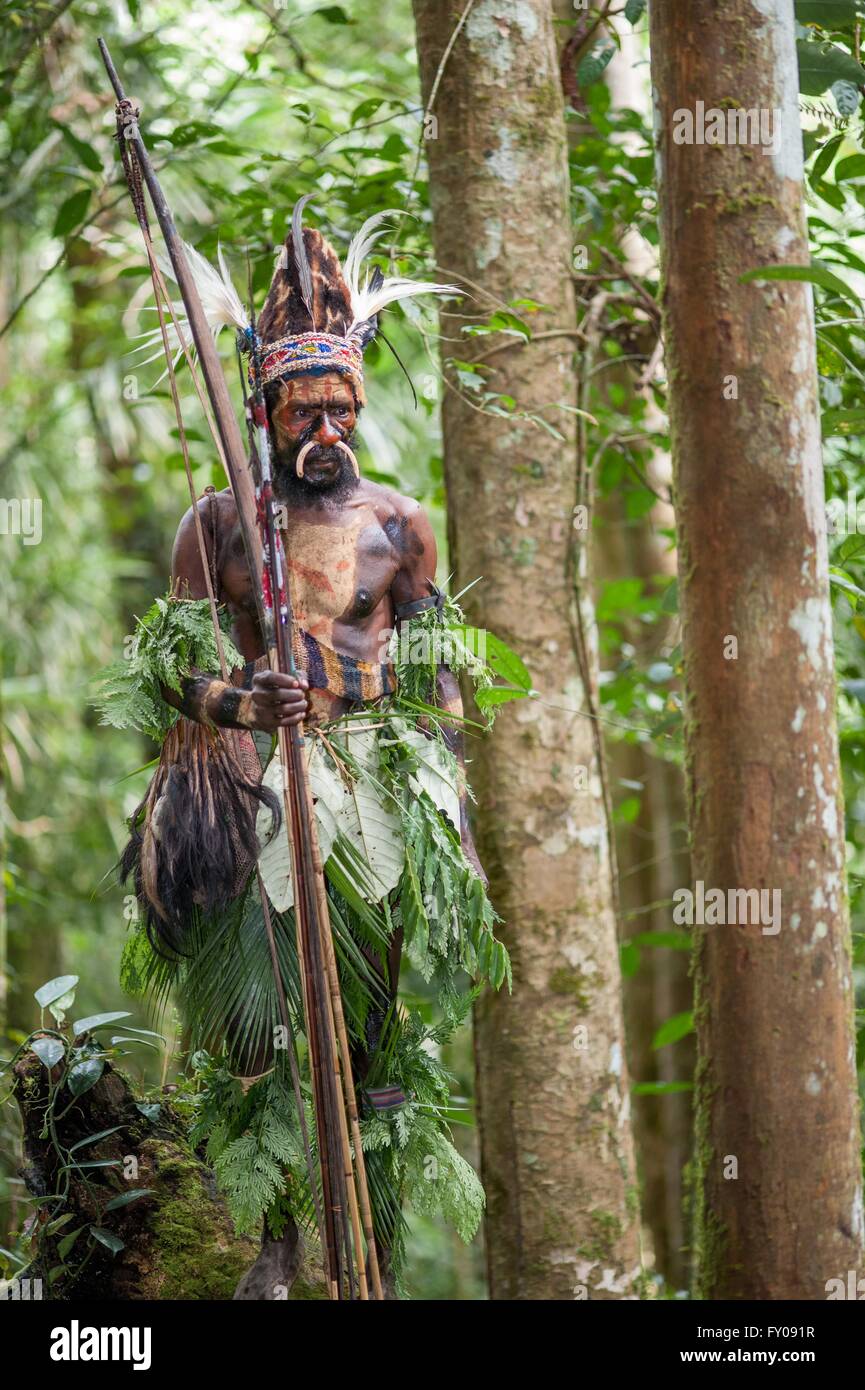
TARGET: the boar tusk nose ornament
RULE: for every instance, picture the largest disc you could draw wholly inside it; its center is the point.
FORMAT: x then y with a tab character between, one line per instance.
311	444
340	444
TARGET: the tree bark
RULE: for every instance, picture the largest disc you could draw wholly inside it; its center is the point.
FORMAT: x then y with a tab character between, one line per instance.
779	1202
557	1153
651	854
648	859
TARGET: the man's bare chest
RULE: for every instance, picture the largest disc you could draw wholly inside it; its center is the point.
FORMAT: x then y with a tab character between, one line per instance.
338	574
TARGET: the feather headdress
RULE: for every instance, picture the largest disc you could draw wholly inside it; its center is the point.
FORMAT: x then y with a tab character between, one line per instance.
369	297
318	316
219	299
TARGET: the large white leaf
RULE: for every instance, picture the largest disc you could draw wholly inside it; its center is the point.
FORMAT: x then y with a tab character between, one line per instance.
48	1050
55	989
362	813
437	773
329	794
370	821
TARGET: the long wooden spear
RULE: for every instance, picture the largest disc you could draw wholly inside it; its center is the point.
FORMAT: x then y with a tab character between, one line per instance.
343	1175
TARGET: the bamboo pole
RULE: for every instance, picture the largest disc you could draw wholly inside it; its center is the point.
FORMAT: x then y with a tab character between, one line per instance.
347	1079
330	1239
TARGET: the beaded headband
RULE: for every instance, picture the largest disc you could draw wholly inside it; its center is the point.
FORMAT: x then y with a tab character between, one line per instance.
298	354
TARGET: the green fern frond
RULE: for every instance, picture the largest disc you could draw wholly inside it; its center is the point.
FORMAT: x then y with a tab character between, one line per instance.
251	1179
173	639
438	1179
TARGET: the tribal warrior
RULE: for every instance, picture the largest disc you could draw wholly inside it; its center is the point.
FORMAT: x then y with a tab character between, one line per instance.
383	719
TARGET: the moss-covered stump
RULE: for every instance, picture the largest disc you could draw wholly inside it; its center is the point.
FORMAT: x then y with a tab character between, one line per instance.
191	1250
178	1240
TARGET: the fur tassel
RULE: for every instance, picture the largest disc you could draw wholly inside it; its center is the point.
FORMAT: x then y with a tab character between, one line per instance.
193	841
308	292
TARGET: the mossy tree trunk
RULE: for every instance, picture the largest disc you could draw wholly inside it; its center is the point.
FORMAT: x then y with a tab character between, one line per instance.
178	1241
557	1154
780	1196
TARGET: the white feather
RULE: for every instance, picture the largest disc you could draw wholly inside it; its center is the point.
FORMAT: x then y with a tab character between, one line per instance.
220	302
392	288
359	248
366	302
219	299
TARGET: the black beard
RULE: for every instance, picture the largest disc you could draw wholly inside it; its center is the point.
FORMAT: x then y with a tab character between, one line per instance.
289	488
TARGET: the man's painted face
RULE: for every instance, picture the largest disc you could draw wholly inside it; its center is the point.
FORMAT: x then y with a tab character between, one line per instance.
316	410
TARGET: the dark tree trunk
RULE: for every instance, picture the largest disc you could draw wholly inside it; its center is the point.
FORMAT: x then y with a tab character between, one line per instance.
779	1200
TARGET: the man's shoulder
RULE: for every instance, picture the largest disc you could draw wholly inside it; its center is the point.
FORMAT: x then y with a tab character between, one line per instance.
388	501
218	515
215	509
408	528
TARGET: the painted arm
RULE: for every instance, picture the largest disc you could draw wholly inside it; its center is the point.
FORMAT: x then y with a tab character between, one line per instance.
272	699
412	582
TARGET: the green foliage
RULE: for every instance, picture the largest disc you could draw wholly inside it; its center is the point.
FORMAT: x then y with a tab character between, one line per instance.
225	983
75	1060
679	1026
440	901
592	65
410	1150
227	987
434	639
174	639
846	96
822	64
252	1140
446	915
250	1174
438	1179
828	14
813	274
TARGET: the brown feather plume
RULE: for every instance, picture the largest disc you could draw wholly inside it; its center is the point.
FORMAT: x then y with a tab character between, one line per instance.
284	311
